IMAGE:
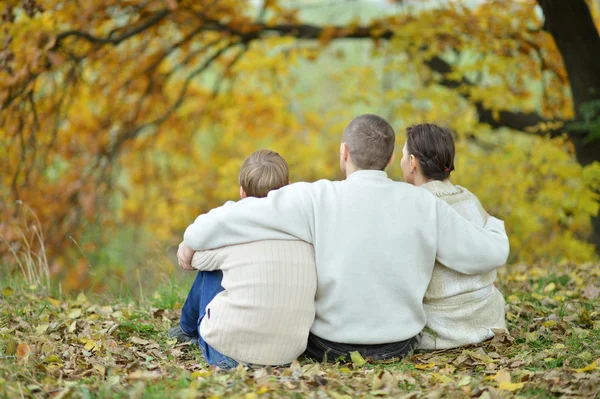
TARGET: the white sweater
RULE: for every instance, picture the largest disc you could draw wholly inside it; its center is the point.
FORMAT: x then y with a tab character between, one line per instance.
461	309
375	244
265	313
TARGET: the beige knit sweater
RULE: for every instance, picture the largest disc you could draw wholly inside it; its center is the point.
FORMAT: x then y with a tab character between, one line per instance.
461	309
268	306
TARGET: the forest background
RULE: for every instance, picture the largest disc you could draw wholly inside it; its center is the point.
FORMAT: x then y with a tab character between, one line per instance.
122	120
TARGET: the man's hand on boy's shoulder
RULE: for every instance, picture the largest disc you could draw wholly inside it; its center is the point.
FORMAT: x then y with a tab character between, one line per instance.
184	256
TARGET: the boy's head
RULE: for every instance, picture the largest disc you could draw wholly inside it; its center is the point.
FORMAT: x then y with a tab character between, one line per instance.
263	171
368	143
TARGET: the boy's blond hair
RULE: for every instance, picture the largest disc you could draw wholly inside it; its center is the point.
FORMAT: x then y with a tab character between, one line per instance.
263	171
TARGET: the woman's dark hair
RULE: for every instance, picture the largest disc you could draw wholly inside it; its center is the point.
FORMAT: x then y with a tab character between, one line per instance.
433	146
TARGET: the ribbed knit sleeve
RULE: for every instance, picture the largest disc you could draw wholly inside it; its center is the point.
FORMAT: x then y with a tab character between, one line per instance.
266	311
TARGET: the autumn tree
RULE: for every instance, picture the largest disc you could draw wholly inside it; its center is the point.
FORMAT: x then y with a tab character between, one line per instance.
138	112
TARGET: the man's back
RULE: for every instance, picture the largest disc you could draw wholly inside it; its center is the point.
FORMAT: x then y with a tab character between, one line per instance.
267	308
375	245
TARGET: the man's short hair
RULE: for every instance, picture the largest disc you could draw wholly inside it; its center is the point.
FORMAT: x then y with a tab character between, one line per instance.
370	140
263	171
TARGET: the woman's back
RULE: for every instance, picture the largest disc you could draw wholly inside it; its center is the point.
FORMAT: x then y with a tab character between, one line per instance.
461	309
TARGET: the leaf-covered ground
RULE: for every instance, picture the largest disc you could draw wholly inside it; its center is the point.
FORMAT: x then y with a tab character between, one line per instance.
84	348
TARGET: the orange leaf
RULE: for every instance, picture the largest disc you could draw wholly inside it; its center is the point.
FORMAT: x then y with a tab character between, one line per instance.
23	352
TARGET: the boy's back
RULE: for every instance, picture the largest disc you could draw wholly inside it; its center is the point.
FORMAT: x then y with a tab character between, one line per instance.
265	313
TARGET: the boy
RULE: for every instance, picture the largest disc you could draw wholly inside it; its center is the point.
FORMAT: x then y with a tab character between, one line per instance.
263	312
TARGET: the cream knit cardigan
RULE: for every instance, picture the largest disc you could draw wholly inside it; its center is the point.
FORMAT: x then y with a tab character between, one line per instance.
461	309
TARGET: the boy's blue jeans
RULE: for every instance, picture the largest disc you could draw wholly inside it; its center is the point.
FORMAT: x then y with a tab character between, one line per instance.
206	286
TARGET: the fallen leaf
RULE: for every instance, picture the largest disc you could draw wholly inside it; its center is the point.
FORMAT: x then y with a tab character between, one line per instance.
357	359
441	378
590	367
7	291
383	380
466	380
336	395
262	390
10	346
502	376
144	375
176	353
54	302
91	346
81	299
100	368
510	386
549	288
591	291
585	318
75	314
53	359
201	374
531	336
41	329
23	352
139	341
425	366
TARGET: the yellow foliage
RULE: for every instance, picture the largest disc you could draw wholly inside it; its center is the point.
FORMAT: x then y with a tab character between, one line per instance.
138	114
539	190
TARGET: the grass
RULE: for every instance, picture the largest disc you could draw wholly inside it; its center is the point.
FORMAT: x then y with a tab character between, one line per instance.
98	347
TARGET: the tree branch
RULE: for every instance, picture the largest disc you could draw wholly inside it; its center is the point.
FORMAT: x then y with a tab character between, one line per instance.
155	19
511	119
178	102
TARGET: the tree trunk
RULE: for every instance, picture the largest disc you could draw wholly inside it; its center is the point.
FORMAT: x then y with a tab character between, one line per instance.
571	25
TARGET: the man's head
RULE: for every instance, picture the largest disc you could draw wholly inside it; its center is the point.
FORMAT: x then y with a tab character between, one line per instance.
263	171
368	143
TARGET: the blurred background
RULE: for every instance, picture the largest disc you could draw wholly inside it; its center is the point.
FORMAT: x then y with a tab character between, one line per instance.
122	120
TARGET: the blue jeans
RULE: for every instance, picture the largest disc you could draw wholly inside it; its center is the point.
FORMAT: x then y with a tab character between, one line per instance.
206	286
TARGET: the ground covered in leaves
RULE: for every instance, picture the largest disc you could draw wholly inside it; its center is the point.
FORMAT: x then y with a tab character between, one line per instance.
82	347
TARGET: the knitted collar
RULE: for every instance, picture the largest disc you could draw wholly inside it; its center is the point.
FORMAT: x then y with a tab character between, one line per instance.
441	188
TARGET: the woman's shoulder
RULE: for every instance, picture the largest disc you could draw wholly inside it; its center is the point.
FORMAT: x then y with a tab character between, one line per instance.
443	188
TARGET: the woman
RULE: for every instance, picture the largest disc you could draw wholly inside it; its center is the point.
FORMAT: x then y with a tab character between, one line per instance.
461	309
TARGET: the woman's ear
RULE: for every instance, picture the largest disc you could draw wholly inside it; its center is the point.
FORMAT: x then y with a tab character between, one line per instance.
412	163
242	193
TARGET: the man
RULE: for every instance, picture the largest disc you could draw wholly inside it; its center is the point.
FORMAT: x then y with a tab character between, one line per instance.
375	241
264	315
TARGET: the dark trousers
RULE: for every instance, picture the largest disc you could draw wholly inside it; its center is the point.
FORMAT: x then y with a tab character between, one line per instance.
323	350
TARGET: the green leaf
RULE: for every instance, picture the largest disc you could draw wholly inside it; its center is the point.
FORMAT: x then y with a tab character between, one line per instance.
357	359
